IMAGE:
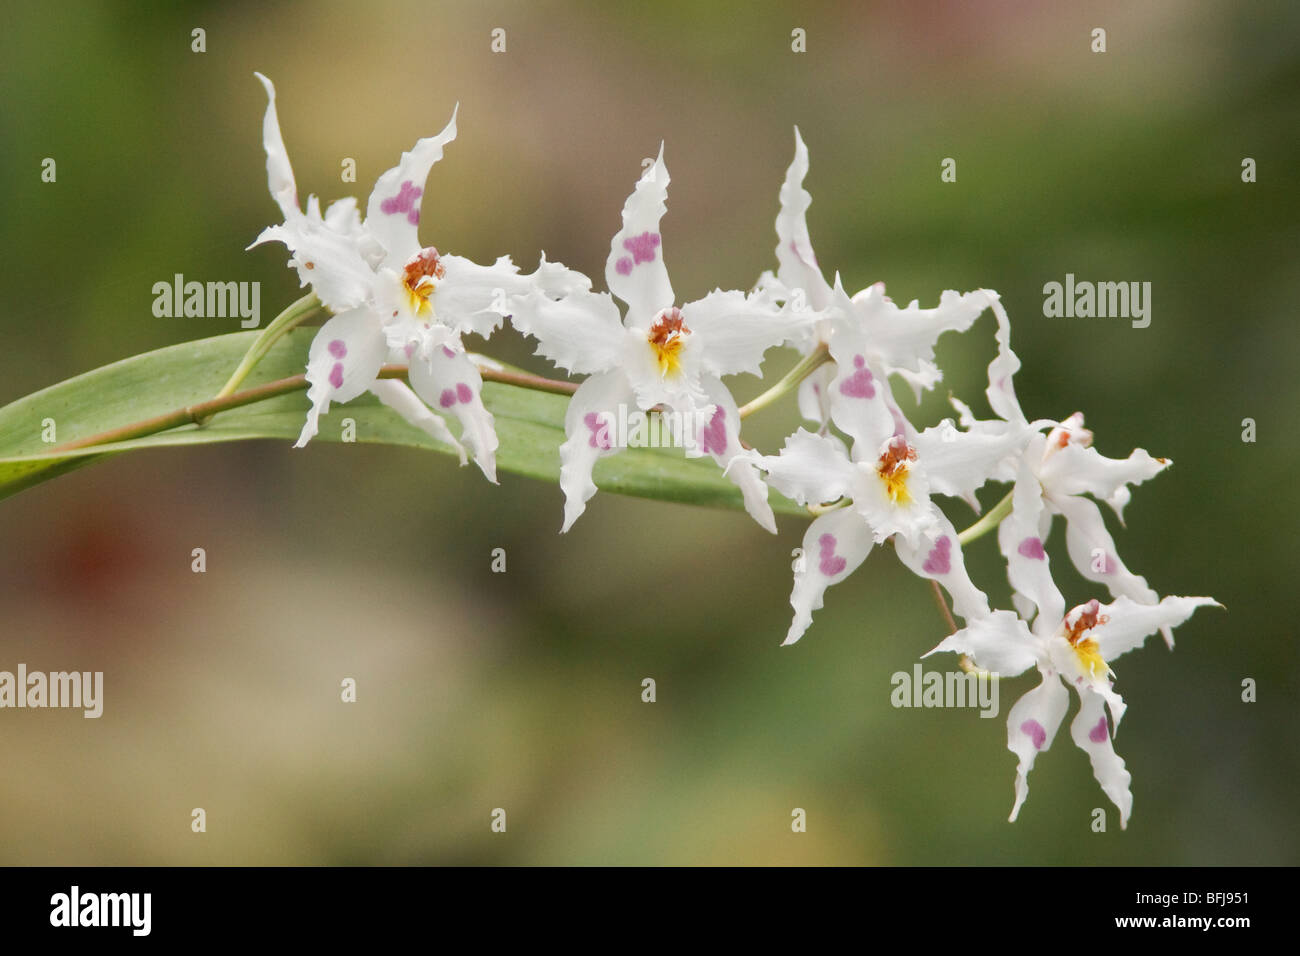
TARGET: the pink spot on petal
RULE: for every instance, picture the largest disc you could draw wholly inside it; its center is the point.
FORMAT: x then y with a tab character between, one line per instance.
624	266
714	434
831	564
1098	733
642	247
1032	548
599	431
338	349
336	375
939	560
858	385
447	398
1034	730
464	394
409	349
446	350
404	202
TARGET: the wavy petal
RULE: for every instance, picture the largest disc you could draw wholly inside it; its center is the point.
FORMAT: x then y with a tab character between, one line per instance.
581	333
635	270
1092	735
1022	543
999	642
1129	623
448	380
590	426
720	438
1031	728
1092	550
400	398
935	554
393	212
810	469
1075	470
798	269
343	361
736	330
834	545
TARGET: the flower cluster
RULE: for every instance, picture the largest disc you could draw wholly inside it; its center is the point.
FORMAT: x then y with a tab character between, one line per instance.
868	474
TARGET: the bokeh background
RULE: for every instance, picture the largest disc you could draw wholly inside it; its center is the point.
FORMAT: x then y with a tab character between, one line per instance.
522	690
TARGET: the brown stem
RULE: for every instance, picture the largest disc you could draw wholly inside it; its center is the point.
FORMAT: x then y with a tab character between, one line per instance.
194	414
965	663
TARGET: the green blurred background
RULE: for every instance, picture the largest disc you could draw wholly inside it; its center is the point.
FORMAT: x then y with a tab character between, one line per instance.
522	690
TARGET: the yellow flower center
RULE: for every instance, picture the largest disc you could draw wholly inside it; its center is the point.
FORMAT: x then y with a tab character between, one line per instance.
667	336
1085	648
420	278
893	469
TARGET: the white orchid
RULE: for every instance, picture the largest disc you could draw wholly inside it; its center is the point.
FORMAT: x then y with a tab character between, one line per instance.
896	341
1052	475
886	478
1073	649
395	300
658	354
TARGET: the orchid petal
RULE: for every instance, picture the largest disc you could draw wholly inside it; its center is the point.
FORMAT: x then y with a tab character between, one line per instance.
811	469
400	398
798	267
736	330
998	642
393	211
720	438
904	339
447	379
635	269
959	463
1092	550
1031	728
1075	469
343	361
1092	735
834	545
814	395
590	427
1128	623
581	332
935	554
861	403
1022	544
1001	391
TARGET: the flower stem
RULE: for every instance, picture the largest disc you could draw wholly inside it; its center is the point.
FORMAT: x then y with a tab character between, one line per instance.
199	413
965	663
989	521
294	315
807	365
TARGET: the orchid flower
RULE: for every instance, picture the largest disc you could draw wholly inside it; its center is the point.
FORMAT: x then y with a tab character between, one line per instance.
1061	468
658	354
886	479
896	341
1073	649
395	300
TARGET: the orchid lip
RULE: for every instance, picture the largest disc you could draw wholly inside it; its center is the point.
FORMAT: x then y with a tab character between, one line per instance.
666	337
420	277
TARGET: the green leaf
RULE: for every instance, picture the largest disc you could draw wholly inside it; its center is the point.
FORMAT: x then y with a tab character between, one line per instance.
530	424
